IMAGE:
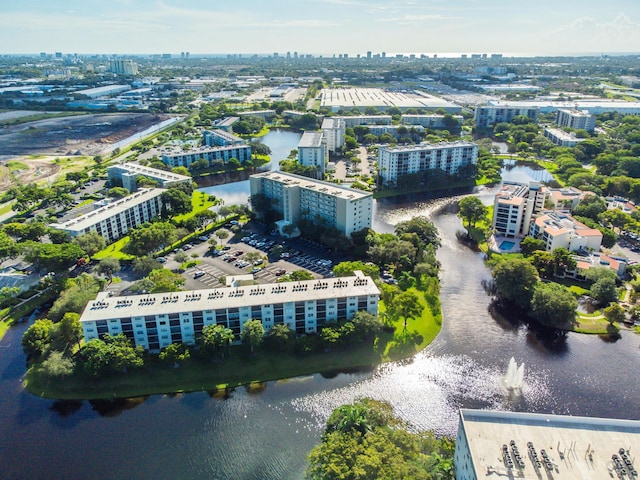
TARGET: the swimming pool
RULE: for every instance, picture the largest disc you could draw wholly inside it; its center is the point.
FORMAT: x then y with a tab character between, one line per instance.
506	245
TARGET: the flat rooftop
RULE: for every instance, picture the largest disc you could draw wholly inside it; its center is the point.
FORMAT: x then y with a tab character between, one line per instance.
327	188
150	172
347	98
330	123
108	211
427	146
577	447
178	151
105	307
102	90
310	140
563	136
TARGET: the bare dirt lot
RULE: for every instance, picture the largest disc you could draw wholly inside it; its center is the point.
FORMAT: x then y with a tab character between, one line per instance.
76	135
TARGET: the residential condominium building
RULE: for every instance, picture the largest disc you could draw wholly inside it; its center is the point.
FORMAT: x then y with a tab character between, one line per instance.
432	121
488	115
219	138
357	120
226	123
500	444
114	220
394	162
557	230
176	157
562	138
566	198
333	132
123	67
127	174
295	198
155	321
514	206
577	119
312	152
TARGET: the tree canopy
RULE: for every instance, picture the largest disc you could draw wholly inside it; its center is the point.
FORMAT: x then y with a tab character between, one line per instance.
553	305
515	279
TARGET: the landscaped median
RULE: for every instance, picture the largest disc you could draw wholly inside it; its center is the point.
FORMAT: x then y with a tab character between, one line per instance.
197	374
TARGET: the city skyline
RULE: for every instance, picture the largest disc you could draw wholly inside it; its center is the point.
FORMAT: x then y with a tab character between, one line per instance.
320	27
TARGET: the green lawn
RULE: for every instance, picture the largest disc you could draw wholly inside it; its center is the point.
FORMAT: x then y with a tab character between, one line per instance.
6	207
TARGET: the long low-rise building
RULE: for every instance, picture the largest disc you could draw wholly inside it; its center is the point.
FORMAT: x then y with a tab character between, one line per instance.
176	157
492	444
592	106
562	138
114	220
394	162
488	115
220	137
347	99
433	121
128	173
157	320
295	197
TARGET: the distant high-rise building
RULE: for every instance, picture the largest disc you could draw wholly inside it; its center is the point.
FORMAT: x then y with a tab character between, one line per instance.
288	54
295	54
369	54
43	54
58	54
166	55
123	67
275	54
384	54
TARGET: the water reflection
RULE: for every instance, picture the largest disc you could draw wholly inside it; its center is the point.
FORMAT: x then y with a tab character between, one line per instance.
115	407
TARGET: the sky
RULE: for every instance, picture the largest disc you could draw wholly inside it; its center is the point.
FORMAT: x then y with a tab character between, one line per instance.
511	27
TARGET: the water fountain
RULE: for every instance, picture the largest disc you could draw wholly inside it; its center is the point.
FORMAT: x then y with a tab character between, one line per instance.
514	378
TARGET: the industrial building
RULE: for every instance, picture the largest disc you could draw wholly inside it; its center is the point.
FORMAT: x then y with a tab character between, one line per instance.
394	162
115	219
346	99
497	444
295	197
104	91
155	321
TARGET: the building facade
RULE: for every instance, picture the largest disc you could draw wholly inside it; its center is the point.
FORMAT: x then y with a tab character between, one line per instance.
514	206
578	119
176	157
488	115
562	138
312	152
128	174
499	444
333	133
123	67
295	198
357	120
114	220
220	138
394	162
432	121
561	230
157	320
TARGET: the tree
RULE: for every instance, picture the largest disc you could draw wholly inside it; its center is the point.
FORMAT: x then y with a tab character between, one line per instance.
604	290
347	269
406	305
150	237
75	297
175	353
8	247
515	280
222	234
143	266
529	245
204	218
37	337
213	340
330	336
553	305
52	257
176	201
471	210
366	326
280	337
421	226
181	257
296	276
252	333
118	192
110	355
614	313
108	266
165	281
70	329
57	365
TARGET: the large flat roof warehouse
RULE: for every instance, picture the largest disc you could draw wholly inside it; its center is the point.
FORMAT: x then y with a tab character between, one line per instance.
566	447
348	98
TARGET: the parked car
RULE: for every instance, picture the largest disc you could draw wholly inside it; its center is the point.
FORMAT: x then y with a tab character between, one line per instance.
161	259
199	274
280	272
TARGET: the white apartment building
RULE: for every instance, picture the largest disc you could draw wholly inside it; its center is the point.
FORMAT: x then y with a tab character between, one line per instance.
333	131
561	230
430	121
155	321
394	162
312	151
566	198
562	138
514	206
295	197
114	220
128	174
578	119
176	157
123	67
499	444
488	115
220	137
357	120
